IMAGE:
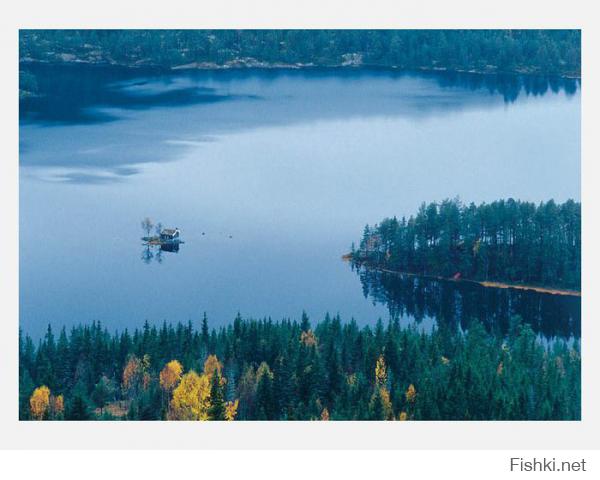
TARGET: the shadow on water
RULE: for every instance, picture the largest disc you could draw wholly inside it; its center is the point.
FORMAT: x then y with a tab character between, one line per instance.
70	94
457	304
88	100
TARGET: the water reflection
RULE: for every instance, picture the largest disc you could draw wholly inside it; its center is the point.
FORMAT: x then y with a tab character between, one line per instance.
170	247
510	86
155	252
457	304
71	94
346	148
89	121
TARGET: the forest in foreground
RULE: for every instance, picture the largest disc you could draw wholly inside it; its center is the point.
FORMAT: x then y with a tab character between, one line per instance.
504	241
288	370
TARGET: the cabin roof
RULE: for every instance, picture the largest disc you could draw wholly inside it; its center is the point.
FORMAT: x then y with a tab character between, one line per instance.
169	231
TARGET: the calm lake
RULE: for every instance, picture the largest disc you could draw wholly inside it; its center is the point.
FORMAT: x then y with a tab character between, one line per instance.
270	176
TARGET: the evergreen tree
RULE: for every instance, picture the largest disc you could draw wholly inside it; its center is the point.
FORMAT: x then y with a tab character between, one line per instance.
217	400
354	373
78	409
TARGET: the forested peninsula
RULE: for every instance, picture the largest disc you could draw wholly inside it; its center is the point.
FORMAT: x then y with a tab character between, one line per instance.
506	242
546	52
288	370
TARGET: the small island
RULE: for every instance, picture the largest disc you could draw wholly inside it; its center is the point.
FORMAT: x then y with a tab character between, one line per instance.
164	240
163	236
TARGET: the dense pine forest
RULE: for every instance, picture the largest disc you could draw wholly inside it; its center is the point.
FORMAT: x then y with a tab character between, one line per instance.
552	52
505	241
288	370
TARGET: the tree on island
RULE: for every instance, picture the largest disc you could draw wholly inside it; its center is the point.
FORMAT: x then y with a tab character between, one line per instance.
505	240
147	225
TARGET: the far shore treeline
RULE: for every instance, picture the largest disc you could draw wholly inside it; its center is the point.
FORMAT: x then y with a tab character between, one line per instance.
288	370
504	241
545	52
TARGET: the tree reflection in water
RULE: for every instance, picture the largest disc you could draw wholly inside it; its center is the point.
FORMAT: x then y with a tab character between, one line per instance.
456	304
155	252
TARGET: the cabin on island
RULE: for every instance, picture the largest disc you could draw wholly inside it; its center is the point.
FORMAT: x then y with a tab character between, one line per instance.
169	234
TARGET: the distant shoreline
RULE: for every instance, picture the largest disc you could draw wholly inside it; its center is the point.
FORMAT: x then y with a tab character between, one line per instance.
251	64
484	283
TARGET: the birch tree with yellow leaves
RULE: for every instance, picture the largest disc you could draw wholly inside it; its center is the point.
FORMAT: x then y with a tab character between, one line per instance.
191	398
170	376
40	402
133	377
212	365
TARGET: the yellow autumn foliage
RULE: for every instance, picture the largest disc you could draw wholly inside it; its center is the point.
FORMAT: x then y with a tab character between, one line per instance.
210	365
325	414
39	402
132	374
170	375
386	403
191	398
382	404
308	339
403	416
231	410
411	393
380	371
